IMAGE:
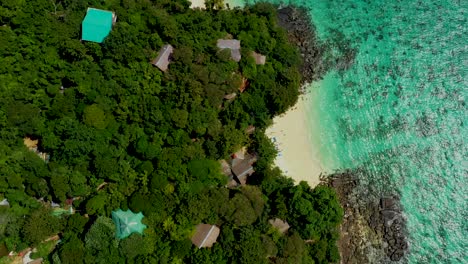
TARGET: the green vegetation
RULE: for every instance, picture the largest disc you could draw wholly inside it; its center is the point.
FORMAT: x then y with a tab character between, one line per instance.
154	139
44	249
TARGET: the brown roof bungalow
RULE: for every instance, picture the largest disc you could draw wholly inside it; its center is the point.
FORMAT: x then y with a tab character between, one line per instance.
238	168
259	58
250	129
4	202
226	170
205	235
230	96
164	57
242	167
32	145
244	85
280	225
231	44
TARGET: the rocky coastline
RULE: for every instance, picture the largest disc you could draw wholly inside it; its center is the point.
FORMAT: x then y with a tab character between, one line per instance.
318	57
373	228
301	32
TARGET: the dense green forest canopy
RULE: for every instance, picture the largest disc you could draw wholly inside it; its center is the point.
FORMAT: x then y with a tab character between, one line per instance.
119	133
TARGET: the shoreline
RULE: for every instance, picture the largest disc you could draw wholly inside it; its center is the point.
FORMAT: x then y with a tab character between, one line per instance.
201	3
374	225
291	133
296	133
197	3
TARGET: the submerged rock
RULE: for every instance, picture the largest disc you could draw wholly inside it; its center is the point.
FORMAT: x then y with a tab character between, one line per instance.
318	56
301	32
373	228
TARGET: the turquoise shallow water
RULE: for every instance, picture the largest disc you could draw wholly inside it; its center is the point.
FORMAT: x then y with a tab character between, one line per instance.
400	111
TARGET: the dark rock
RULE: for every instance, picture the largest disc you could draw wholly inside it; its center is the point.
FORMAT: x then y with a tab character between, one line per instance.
383	222
389	216
301	32
388	203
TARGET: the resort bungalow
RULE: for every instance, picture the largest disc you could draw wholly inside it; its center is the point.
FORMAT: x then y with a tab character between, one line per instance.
127	222
230	96
259	58
250	130
164	57
97	24
240	154
242	166
244	85
32	145
239	167
233	45
280	225
226	170
36	261
205	235
4	202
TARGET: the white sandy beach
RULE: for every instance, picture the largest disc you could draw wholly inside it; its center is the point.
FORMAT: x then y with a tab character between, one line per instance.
298	158
291	133
201	3
197	3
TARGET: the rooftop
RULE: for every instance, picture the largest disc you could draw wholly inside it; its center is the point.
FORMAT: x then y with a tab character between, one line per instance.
164	56
250	129
228	44
233	45
242	168
279	224
4	202
97	25
205	235
225	168
230	96
244	85
32	145
259	58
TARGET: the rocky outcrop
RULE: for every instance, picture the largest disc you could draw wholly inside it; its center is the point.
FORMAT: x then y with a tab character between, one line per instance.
393	228
301	32
340	54
373	228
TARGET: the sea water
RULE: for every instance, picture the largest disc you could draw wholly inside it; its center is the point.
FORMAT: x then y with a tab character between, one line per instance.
400	111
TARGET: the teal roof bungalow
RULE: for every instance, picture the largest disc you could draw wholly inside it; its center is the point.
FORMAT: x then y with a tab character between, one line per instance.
127	222
97	24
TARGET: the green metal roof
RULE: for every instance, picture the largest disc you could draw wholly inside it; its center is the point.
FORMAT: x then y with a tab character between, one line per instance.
61	211
96	25
127	223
